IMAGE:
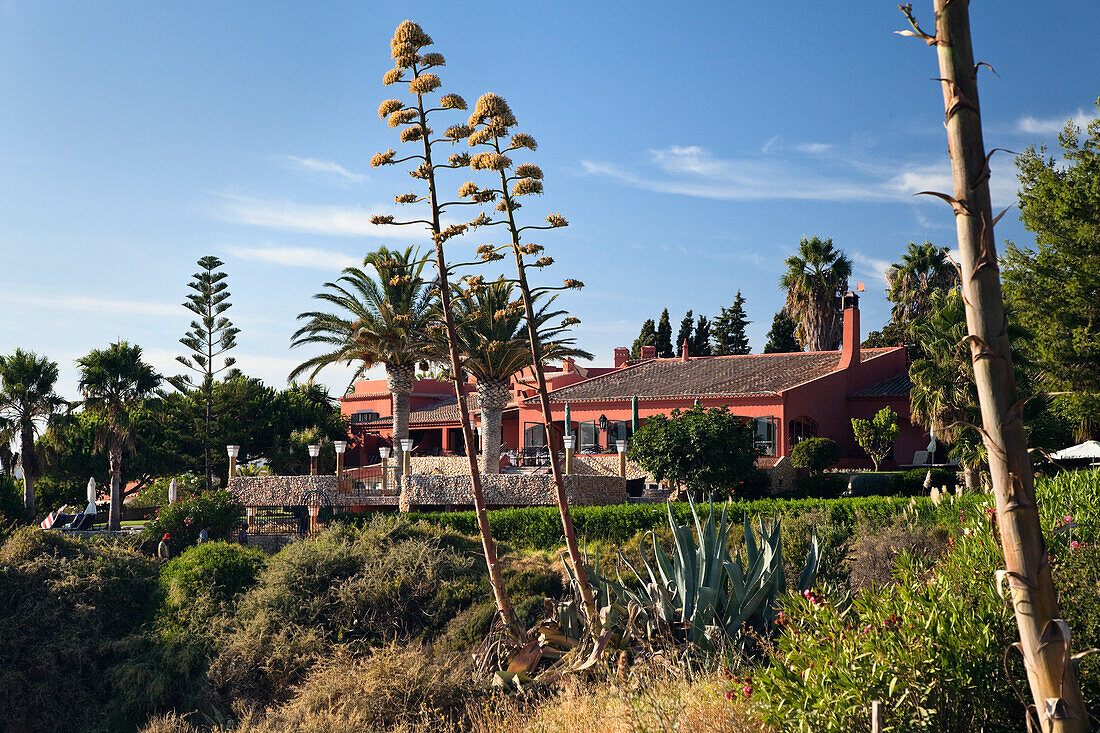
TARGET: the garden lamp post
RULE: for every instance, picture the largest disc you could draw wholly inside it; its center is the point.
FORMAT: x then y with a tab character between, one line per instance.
314	451
620	445
232	451
406	455
384	452
340	446
570	442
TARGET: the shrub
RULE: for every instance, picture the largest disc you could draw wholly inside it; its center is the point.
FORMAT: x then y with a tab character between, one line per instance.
184	519
819	486
156	493
11	501
911	483
64	605
929	648
210	573
872	483
815	454
874	555
1077	578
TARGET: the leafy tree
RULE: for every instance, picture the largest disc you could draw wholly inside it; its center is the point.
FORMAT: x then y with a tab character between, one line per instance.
1055	288
685	334
892	334
210	337
700	342
815	280
728	329
664	335
781	338
382	319
647	337
710	449
815	454
494	344
876	436
115	382
28	403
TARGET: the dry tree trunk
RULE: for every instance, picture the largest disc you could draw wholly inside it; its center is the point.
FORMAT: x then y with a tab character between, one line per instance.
1044	636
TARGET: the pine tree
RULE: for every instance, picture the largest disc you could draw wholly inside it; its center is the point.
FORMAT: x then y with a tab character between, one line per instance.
664	335
728	329
700	343
647	337
685	334
211	336
781	339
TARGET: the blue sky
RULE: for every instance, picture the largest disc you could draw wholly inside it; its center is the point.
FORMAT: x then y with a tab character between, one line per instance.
690	145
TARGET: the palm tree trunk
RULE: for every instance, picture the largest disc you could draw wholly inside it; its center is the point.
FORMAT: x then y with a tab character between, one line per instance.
114	517
1044	637
26	462
496	577
492	398
400	379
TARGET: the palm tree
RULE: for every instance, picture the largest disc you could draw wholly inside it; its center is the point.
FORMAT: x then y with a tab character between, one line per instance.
493	340
816	277
924	269
382	321
944	397
115	382
28	403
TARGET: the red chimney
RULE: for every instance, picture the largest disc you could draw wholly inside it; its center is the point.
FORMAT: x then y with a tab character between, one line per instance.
622	356
684	356
849	346
649	352
567	364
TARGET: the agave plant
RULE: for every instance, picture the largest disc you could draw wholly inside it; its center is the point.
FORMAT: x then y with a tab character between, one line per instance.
700	592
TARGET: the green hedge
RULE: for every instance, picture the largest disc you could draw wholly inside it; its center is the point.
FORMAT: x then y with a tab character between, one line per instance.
540	527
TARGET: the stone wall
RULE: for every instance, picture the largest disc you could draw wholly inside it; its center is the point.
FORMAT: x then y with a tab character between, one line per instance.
423	490
445	465
282	490
603	465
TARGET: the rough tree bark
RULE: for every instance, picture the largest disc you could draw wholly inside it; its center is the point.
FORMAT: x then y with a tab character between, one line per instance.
1044	636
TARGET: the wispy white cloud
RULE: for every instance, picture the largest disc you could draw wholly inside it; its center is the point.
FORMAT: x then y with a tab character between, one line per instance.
85	304
1052	125
346	221
813	147
694	171
316	259
325	168
871	267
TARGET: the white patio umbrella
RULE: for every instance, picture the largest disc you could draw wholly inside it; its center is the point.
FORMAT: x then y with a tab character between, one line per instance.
172	489
1081	451
91	491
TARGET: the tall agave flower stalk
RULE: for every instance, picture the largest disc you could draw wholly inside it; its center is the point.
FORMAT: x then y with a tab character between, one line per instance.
1044	636
489	125
414	67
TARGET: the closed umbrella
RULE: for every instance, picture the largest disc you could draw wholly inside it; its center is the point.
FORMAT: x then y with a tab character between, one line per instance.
173	488
634	414
91	491
568	421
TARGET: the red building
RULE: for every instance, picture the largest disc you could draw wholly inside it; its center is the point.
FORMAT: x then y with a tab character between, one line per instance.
787	396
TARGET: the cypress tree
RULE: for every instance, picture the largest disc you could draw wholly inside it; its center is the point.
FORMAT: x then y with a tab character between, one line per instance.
781	339
700	343
647	337
685	334
728	329
664	335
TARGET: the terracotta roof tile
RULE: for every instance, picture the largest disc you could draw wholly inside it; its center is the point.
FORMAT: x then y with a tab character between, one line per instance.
443	410
708	376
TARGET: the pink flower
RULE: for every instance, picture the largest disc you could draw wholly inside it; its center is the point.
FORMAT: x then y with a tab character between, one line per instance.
1067	519
729	694
1074	545
748	690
